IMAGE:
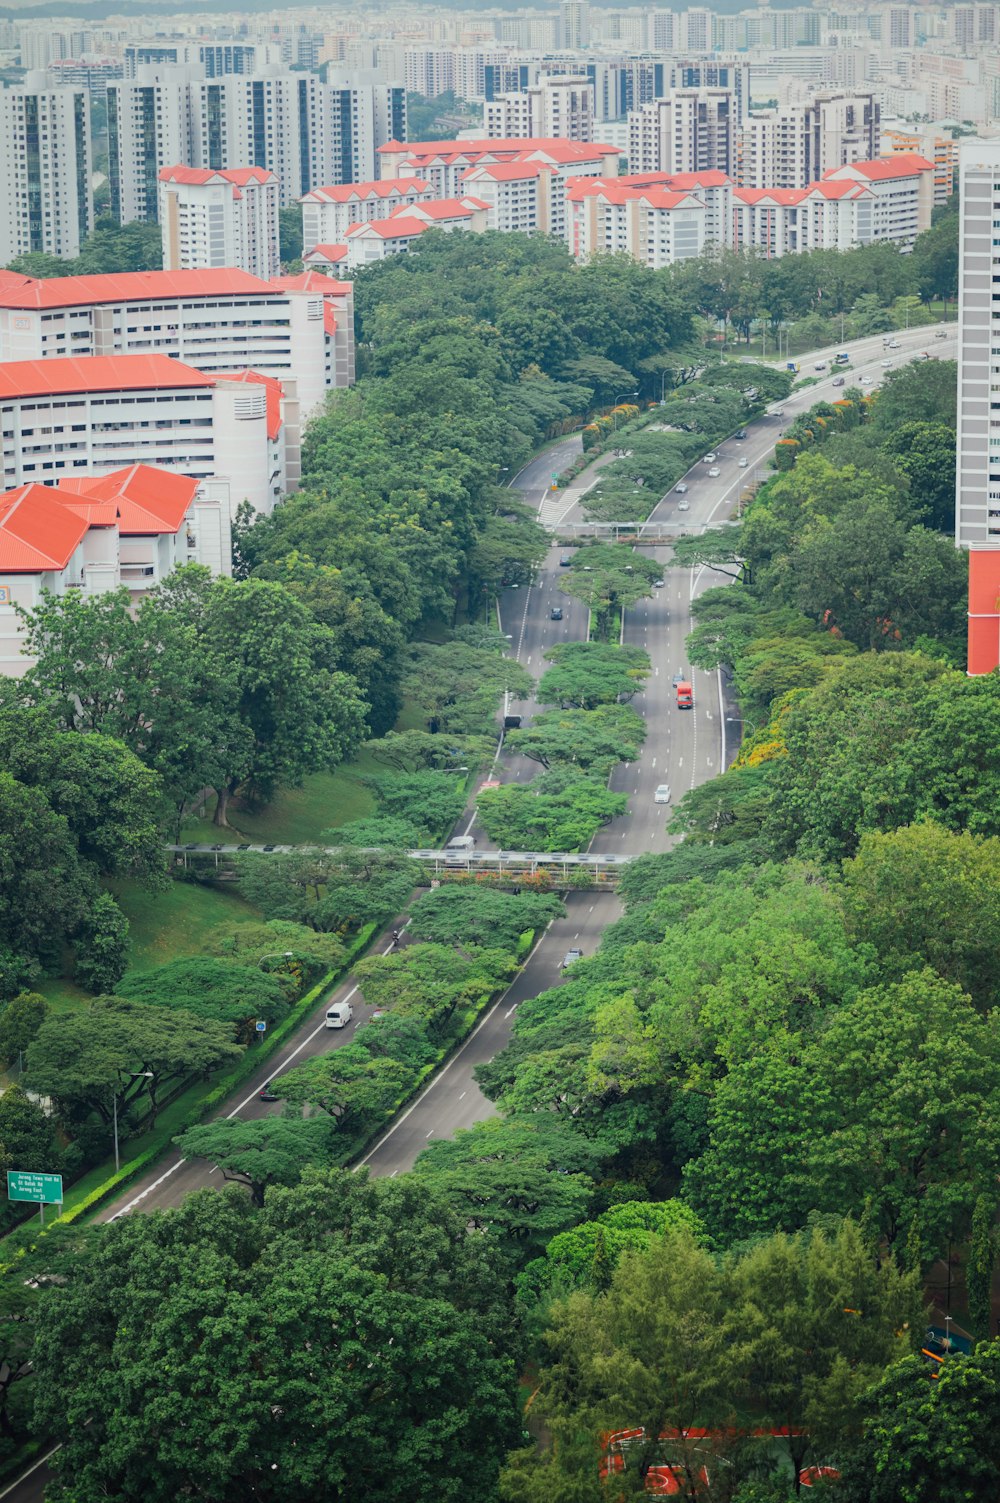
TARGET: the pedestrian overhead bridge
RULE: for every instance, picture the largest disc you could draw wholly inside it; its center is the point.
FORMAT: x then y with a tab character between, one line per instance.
554	869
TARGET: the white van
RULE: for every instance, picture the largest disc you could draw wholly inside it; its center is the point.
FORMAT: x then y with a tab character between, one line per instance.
460	849
339	1015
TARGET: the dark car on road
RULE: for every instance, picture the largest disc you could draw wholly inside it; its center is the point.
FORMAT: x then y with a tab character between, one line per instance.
556	613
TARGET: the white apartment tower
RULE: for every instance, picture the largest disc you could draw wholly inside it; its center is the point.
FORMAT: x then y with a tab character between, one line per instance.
574	25
556	108
215	219
691	130
794	146
304	131
44	171
977	486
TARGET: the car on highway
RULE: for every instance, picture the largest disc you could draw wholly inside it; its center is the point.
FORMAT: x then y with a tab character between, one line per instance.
270	1090
657	584
715	471
709	459
924	355
777	412
741	434
838	381
662	794
570	958
894	344
864	380
941	334
743	463
339	1015
820	365
886	364
555	614
684	506
681	490
678	678
565	561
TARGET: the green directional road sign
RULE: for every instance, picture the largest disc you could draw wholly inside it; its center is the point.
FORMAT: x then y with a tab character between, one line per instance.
43	1188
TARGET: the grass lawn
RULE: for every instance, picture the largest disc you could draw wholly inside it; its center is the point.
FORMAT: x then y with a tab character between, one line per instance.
298	815
168	925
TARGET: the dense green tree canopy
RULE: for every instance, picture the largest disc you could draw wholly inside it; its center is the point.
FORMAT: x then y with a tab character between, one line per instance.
346	1335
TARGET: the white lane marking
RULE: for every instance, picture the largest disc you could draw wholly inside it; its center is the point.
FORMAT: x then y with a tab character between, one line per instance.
463	1095
508	1013
32	1468
436	1079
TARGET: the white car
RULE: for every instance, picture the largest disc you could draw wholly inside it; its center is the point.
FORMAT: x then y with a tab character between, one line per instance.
715	470
886	364
709	459
684	506
662	794
681	489
864	381
743	463
820	365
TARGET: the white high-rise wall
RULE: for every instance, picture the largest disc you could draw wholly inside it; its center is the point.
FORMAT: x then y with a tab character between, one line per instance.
794	146
690	130
977	492
46	203
217	219
307	132
555	108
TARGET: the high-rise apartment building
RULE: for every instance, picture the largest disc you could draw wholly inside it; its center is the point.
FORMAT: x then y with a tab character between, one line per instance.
44	170
558	108
794	146
305	131
977	482
695	30
220	218
691	130
574	24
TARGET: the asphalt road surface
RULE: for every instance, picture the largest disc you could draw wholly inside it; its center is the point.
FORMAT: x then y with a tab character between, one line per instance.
682	748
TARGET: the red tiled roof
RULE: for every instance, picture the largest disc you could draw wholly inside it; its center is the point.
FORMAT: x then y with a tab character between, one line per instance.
83	373
840	190
273	392
389	229
881	169
784	197
517	148
710	179
346	193
330	255
503	172
36	532
441	208
196	176
315	281
125	287
329	318
147	500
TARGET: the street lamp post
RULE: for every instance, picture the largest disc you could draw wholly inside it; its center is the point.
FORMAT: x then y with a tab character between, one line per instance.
663	376
277	955
135	1075
614	411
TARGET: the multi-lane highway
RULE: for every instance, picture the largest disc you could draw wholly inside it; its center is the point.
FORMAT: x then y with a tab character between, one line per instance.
682	748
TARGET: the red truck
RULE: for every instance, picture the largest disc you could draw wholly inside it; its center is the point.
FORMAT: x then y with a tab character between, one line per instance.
685	696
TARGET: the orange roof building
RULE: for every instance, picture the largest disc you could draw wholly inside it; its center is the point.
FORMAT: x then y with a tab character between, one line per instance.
131	527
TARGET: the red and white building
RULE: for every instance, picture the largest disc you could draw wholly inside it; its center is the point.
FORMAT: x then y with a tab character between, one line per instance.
219	321
96	414
443	165
90	534
649	222
516	195
389	237
888	198
212	218
338	318
903	189
328	213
